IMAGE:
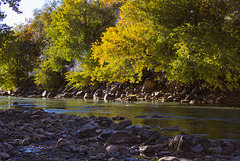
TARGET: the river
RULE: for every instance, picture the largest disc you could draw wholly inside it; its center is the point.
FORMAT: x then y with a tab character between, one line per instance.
213	122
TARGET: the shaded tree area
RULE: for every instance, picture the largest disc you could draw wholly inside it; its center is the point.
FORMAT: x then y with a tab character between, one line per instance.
79	43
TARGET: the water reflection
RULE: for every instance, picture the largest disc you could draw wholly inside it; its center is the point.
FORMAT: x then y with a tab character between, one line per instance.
210	121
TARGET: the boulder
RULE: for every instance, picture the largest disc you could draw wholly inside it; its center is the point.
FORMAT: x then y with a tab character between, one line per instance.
148	85
146	149
88	95
112	149
108	97
173	128
180	143
119	137
87	129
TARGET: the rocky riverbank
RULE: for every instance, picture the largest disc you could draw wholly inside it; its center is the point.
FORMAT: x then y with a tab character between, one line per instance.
38	135
148	90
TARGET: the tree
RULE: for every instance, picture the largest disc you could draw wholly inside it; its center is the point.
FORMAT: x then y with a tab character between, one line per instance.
74	26
188	40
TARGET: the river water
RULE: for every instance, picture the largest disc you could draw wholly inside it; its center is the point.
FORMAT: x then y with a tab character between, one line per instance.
213	122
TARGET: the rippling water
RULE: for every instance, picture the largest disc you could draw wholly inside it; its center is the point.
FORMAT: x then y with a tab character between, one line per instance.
212	122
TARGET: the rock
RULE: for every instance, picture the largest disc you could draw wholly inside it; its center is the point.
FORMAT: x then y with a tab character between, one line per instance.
4	155
180	143
8	146
169	158
131	98
44	94
88	95
141	117
146	149
108	97
197	148
159	147
87	129
119	137
79	95
124	124
1	124
123	150
157	116
26	141
105	122
118	118
226	151
38	112
173	128
98	94
215	150
148	85
112	149
106	133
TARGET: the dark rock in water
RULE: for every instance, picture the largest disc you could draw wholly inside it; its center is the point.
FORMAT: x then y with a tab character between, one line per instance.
180	143
124	124
122	137
118	118
141	117
173	128
108	97
148	85
15	103
157	116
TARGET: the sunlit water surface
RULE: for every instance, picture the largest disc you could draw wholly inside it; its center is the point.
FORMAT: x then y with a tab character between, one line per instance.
212	122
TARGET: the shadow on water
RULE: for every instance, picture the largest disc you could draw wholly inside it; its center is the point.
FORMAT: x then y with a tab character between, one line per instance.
213	122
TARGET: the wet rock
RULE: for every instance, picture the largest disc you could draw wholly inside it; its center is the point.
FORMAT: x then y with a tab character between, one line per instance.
38	112
119	137
44	94
108	97
118	118
1	124
123	150
146	149
112	149
98	94
173	128
87	129
131	98
169	158
26	141
106	133
148	85
215	150
8	146
4	155
197	148
124	124
141	116
157	116
180	143
159	147
88	95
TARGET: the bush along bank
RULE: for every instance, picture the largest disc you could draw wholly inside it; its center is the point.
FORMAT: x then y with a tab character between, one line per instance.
151	89
39	135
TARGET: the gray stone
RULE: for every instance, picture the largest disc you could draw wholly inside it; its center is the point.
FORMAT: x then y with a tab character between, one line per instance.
122	137
173	128
4	155
146	149
112	149
197	148
87	129
148	85
169	158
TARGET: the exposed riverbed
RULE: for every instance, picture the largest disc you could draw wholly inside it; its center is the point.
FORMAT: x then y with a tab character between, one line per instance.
213	122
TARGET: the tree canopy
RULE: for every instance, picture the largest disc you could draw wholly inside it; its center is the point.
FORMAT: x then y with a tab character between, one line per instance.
81	42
